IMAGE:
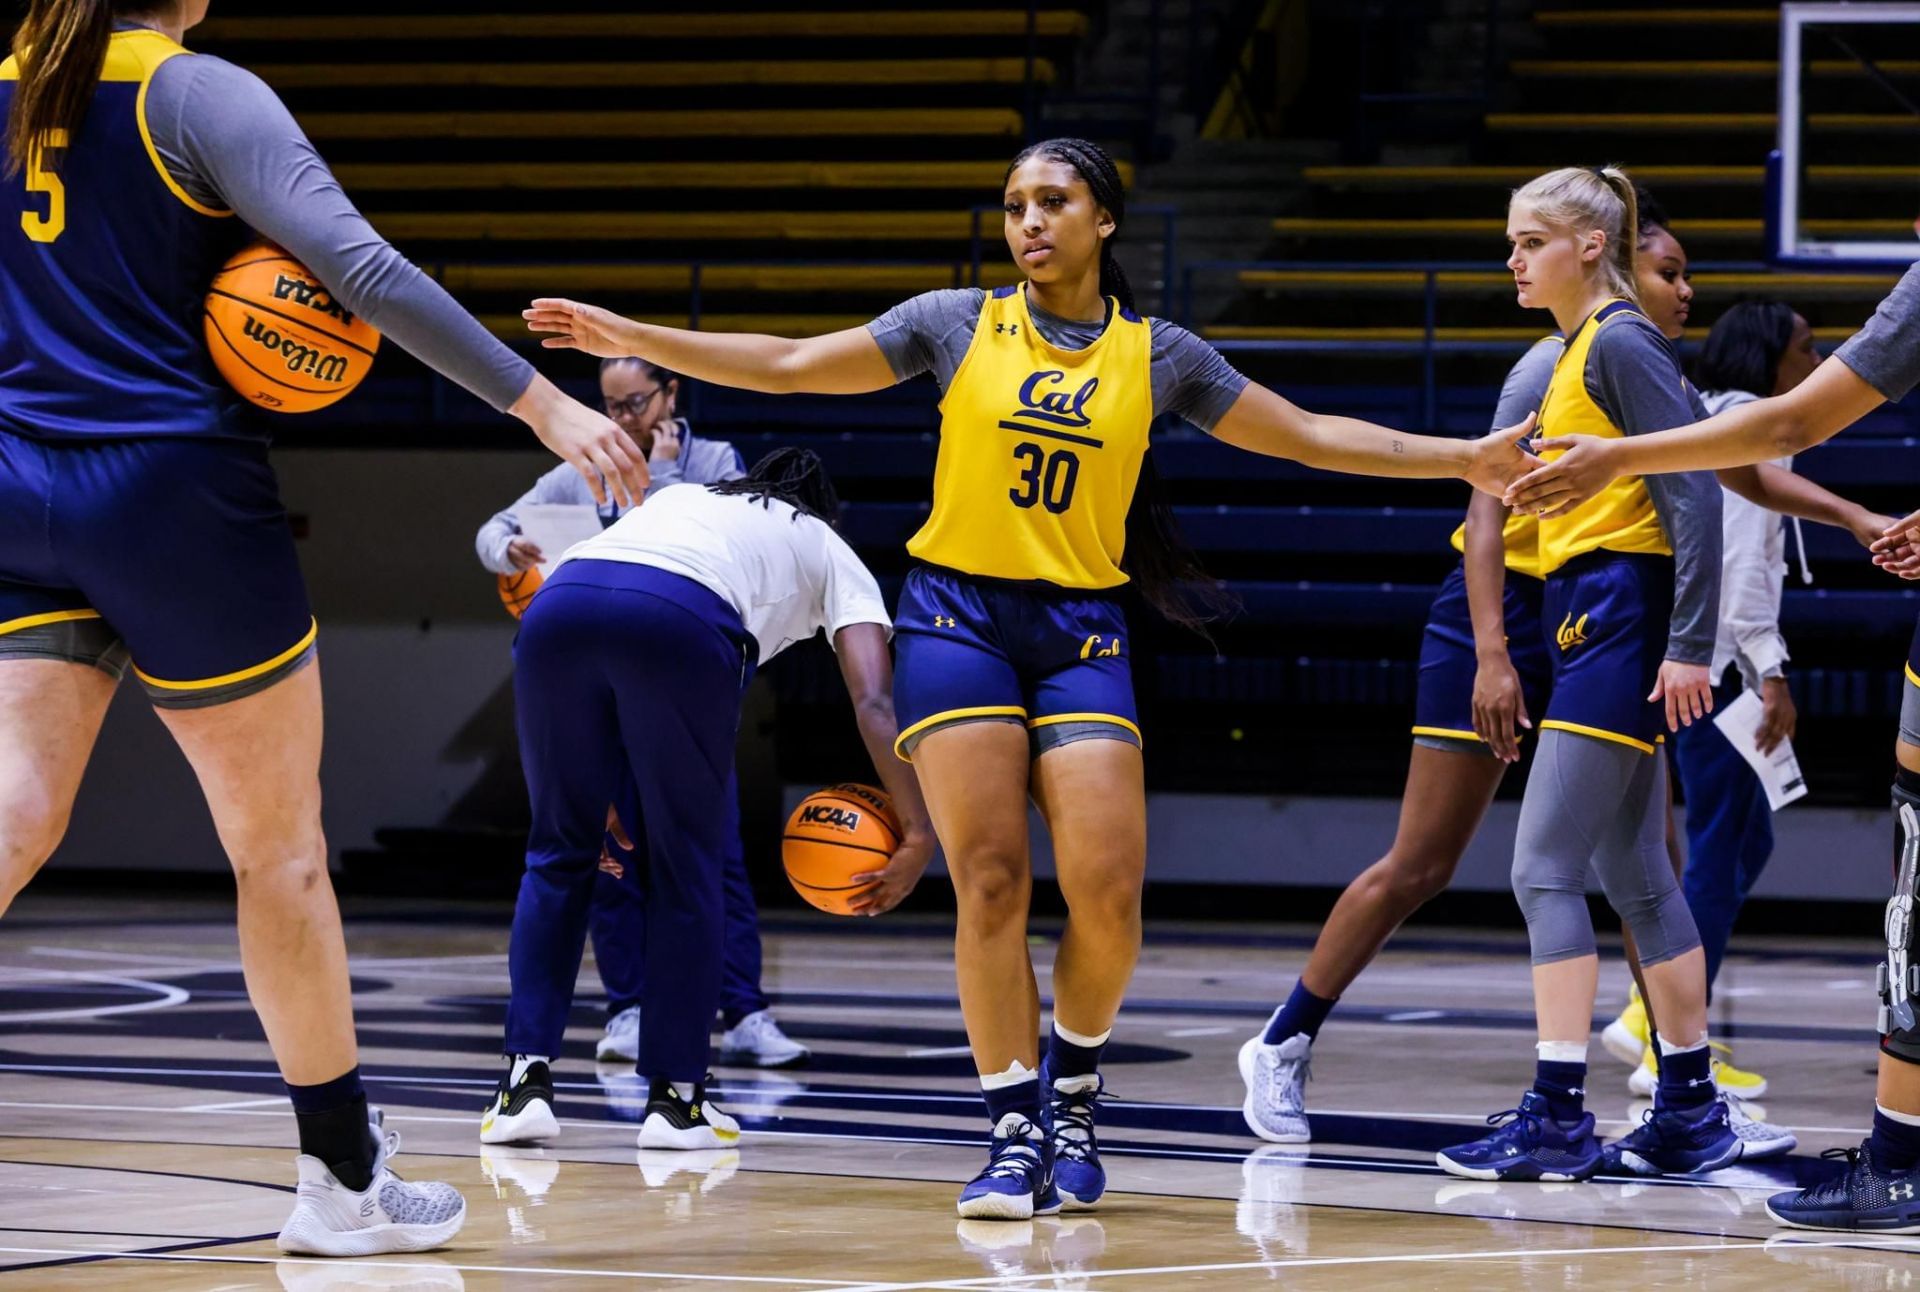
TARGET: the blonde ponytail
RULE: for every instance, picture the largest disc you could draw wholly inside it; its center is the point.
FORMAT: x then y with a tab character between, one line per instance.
1578	199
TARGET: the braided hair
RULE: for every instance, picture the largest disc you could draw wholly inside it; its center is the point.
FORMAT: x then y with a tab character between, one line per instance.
796	477
1159	560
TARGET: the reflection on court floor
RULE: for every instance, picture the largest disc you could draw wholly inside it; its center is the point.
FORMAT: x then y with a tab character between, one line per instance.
144	1137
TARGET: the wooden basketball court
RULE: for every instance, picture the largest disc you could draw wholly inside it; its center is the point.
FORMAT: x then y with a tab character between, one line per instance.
145	1141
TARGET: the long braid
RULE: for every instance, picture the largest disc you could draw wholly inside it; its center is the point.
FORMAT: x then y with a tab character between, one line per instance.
795	476
1159	560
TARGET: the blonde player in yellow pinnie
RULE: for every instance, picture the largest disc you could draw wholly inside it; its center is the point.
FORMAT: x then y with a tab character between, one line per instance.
1014	678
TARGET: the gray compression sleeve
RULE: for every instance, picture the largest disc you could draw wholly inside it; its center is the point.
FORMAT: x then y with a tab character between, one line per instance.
230	143
1637	383
1886	352
1526	385
1599	803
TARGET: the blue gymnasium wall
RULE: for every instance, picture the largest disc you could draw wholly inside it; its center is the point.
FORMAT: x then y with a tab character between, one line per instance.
416	661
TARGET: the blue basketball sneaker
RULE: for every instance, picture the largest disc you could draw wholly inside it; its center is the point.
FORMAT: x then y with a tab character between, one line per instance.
1077	1172
1527	1145
1863	1197
1676	1141
1017	1183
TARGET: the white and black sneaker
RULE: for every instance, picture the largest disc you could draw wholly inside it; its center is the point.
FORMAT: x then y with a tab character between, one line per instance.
522	1107
682	1121
389	1215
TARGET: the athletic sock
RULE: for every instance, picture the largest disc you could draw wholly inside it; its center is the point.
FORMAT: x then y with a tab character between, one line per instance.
332	1118
521	1062
1017	1090
1686	1075
1303	1012
1895	1142
1560	1078
1073	1054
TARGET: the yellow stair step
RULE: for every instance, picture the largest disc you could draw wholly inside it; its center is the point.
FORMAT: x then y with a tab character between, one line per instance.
1711	69
1397	176
512	327
930	23
1494	228
677	226
1685	122
644	76
981	176
684	124
583	280
1674	17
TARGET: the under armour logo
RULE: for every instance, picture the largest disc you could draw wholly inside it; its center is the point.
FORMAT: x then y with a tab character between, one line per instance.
1900	1192
1010	329
944	621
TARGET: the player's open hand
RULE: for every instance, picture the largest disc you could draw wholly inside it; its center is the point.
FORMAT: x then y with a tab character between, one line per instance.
902	872
1897	547
1501	458
1688	691
579	326
1582	466
1499	708
605	456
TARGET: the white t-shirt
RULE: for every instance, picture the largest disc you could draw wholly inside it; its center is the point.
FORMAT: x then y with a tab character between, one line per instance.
786	574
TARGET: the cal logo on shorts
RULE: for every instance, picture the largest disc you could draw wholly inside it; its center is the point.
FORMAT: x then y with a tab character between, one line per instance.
1571	634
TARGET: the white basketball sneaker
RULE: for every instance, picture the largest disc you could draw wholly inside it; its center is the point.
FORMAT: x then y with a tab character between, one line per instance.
621	1040
1276	1077
678	1122
756	1041
389	1215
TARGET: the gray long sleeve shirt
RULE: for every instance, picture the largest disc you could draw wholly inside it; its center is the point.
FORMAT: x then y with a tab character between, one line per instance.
701	461
230	143
1634	378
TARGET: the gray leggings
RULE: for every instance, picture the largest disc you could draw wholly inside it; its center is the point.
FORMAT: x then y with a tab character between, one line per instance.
1592	802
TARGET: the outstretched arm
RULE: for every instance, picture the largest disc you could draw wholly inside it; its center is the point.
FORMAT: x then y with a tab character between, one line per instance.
840	363
1826	403
1262	422
1791	494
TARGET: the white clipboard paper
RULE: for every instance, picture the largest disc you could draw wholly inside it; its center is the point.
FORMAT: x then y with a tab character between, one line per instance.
554	527
1779	772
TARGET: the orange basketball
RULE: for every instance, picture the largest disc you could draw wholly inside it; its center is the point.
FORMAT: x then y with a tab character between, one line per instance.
836	833
517	589
278	336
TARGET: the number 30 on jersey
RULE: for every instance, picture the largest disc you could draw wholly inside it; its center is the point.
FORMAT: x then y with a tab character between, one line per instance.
1046	480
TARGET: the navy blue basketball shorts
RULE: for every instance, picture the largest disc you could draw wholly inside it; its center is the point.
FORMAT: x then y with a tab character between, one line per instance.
983	650
1443	704
171	554
1606	616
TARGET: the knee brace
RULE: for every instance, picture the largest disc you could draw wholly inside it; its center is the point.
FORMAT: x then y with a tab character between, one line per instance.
1898	978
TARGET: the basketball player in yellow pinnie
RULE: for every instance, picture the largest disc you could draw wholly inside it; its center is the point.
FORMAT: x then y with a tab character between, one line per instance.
1014	675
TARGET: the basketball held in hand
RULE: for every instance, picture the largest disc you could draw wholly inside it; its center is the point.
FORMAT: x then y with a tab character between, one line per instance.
280	338
836	833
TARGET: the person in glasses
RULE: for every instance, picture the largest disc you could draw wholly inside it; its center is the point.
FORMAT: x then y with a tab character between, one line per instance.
642	399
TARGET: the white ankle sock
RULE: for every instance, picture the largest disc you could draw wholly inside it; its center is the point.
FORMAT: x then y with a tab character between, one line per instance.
1674	1047
1013	1076
1077	1038
1905	1119
521	1062
1561	1051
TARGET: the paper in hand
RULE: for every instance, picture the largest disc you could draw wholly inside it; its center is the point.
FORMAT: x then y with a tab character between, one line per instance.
554	527
1779	772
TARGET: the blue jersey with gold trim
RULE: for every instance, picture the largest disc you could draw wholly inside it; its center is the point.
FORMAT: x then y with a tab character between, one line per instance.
104	267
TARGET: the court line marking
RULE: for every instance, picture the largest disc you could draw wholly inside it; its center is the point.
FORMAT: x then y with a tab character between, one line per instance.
164	996
346	1263
1308	1262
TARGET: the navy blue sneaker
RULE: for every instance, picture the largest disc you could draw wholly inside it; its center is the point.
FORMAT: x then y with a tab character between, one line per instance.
1527	1145
1017	1183
1676	1141
1077	1172
1863	1197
